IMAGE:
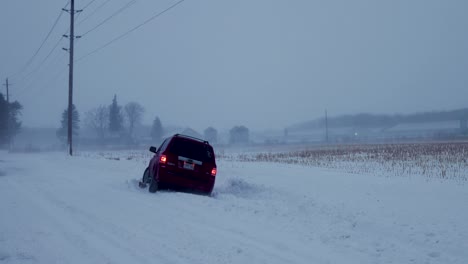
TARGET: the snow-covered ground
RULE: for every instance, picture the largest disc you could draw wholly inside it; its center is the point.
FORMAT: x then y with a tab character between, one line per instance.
88	209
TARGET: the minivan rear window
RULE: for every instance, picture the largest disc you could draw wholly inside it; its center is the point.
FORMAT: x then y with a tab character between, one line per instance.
192	150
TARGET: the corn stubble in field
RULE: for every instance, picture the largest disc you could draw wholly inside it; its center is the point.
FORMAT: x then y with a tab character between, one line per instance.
432	160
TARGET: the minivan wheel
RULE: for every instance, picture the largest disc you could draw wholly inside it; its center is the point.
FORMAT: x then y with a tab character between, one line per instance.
154	186
145	178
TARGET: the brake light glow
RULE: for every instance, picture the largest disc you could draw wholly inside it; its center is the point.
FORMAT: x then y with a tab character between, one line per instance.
163	159
213	172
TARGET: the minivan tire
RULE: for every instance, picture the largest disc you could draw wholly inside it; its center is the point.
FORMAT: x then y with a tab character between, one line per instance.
154	186
145	178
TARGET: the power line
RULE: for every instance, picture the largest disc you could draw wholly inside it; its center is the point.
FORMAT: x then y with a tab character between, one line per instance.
49	83
80	10
57	43
32	85
45	58
88	4
92	13
131	30
129	4
55	46
42	44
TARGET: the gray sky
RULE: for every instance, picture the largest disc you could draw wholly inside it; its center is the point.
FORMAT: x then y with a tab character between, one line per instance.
259	63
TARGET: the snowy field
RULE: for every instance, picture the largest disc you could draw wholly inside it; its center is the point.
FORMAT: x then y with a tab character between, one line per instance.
265	209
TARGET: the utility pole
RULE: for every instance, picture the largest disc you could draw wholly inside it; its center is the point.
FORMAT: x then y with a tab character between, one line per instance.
326	125
70	74
70	77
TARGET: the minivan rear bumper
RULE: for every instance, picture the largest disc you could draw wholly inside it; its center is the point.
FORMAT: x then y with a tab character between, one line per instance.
174	179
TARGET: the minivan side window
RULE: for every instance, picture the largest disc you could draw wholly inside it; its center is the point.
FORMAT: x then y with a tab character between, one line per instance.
163	145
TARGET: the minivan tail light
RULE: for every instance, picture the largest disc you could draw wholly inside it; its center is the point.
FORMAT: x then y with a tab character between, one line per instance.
163	159
213	172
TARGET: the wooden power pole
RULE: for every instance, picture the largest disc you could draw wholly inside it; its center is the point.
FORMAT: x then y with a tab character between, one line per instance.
70	76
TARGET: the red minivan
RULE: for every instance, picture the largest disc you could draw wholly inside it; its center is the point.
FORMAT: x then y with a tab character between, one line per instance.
181	163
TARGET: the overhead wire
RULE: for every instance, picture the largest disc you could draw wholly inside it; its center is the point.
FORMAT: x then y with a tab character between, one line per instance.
52	80
54	47
92	13
45	58
88	4
131	30
80	11
30	84
29	62
56	44
49	83
129	4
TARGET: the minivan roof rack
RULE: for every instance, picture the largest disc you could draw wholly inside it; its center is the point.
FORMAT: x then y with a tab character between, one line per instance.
187	136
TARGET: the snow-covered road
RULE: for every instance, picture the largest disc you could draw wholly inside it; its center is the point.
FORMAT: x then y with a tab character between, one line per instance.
58	209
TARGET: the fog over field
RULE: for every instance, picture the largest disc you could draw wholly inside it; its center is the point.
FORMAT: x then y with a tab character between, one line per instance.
263	64
300	131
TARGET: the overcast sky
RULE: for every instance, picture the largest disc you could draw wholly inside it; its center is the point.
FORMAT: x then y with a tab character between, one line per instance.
260	63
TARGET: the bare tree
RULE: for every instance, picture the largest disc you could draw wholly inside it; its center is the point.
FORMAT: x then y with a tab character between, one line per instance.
98	120
211	134
239	135
134	113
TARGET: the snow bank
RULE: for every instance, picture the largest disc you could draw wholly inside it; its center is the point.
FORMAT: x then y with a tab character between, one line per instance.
88	209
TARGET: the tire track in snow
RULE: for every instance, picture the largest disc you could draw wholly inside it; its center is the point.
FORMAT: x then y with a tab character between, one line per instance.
265	244
110	236
58	228
80	232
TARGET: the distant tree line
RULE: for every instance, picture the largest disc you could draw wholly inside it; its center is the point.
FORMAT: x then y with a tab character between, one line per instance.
211	135
112	123
372	120
116	124
239	135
